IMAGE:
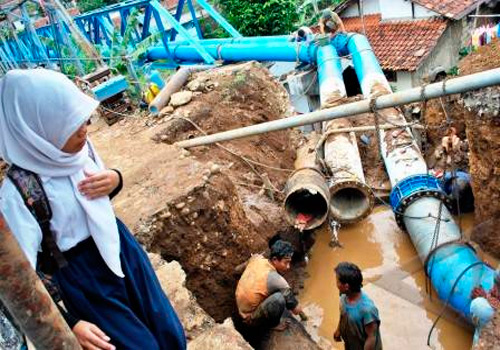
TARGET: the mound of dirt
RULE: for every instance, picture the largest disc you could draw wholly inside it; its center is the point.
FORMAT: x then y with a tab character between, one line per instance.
483	133
486	57
209	207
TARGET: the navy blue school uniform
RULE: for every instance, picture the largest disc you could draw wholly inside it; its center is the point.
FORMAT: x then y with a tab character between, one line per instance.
133	311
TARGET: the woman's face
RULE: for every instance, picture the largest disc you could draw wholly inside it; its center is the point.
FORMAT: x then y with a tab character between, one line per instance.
77	140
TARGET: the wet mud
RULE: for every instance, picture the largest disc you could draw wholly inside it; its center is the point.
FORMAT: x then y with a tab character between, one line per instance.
393	278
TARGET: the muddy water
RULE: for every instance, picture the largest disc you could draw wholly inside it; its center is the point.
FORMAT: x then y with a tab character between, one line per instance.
394	279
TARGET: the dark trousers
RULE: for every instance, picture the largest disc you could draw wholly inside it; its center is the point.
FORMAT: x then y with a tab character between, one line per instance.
133	311
269	312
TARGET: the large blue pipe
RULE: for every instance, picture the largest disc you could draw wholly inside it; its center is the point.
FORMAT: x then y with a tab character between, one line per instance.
366	65
331	82
273	51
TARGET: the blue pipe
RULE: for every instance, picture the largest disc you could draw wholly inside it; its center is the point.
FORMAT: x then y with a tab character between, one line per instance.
242	40
366	65
453	268
274	51
331	82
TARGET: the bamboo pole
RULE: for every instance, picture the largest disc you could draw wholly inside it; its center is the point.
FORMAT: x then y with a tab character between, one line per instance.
26	298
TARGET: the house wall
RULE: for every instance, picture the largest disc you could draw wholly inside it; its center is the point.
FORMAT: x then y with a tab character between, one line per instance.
370	7
404	80
445	53
422	12
395	9
389	9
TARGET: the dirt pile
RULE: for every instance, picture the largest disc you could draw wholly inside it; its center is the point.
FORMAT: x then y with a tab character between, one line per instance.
486	57
207	208
483	133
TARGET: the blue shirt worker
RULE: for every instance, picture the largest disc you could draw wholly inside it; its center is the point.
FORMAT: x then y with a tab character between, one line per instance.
359	324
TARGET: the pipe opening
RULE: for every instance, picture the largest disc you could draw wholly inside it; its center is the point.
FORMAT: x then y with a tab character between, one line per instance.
306	208
351	82
350	204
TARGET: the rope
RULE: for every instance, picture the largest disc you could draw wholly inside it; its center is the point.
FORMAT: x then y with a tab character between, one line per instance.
373	108
434	243
248	161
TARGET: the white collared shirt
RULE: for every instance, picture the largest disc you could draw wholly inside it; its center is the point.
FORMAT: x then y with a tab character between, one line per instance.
69	223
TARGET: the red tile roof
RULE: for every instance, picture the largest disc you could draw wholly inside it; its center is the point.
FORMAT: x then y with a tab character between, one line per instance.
454	9
171	3
400	45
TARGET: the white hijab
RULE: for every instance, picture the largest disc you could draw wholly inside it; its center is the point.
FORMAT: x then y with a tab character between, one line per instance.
39	110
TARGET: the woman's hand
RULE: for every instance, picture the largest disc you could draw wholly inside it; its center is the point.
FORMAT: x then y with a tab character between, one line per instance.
100	184
91	337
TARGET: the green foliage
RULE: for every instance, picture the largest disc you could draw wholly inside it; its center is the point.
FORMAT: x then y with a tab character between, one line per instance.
464	51
261	17
454	71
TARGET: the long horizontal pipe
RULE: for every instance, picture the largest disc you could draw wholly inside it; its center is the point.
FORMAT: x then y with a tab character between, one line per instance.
244	40
452	86
272	51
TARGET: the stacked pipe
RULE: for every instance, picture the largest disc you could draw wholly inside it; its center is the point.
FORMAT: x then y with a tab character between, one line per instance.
307	199
419	203
351	199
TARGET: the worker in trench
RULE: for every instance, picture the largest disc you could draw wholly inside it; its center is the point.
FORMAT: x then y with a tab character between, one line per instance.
262	294
359	324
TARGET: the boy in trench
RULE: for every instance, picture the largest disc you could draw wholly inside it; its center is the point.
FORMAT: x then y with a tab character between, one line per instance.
359	324
262	294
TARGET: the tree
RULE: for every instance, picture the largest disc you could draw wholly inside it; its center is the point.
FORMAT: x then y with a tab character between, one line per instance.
261	17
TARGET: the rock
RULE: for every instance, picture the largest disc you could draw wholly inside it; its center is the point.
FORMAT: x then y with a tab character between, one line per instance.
197	93
180	205
221	337
181	98
195	85
172	279
214	169
166	110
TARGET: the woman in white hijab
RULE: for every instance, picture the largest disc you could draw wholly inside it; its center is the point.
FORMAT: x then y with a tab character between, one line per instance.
108	280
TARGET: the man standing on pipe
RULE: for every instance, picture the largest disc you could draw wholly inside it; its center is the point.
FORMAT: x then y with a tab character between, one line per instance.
262	294
359	324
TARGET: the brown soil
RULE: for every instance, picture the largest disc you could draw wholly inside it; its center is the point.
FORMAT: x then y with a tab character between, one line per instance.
205	207
241	97
439	118
486	57
3	169
483	133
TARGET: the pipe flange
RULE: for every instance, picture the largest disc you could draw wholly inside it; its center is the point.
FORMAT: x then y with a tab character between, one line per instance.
412	188
362	187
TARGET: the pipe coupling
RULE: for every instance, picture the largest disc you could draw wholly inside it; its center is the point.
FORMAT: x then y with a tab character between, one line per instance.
408	190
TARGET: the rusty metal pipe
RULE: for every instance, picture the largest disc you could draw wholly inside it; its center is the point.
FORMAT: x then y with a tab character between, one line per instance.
351	198
306	191
174	84
26	298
